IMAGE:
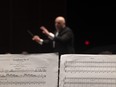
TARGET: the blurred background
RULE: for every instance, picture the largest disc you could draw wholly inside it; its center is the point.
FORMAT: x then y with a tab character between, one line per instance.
93	24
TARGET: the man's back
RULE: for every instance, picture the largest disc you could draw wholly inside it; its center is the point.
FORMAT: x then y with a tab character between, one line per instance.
64	41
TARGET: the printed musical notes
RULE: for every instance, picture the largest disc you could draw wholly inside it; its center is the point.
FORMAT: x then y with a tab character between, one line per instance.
90	66
89	82
41	70
88	71
35	70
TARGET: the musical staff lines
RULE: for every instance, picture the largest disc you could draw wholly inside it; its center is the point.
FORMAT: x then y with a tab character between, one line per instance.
23	83
90	66
42	69
88	71
33	70
22	76
89	82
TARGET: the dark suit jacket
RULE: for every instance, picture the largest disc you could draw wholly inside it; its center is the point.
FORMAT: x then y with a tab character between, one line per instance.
63	42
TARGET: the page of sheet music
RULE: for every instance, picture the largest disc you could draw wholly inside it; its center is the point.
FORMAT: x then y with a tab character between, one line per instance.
87	71
35	70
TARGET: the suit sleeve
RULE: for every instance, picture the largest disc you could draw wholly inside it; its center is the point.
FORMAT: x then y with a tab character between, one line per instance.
46	41
65	37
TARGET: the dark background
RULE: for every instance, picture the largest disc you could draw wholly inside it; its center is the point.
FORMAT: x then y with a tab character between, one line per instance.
92	21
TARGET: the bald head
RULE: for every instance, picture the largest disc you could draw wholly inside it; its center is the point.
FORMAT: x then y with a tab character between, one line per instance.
60	19
60	22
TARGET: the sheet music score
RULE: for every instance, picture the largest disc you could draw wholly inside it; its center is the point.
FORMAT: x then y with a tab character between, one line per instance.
35	70
87	71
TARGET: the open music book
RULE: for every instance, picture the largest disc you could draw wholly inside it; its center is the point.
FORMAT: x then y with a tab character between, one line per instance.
48	70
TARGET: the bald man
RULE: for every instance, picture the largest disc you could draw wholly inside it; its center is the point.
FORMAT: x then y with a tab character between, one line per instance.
62	39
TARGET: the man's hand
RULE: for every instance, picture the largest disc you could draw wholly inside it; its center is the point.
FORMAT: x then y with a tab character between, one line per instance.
36	38
44	30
